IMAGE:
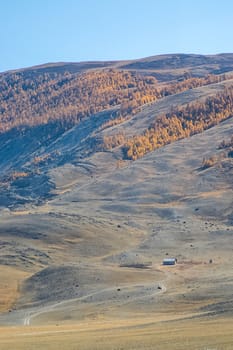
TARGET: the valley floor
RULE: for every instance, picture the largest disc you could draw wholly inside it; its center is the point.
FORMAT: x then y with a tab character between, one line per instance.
148	334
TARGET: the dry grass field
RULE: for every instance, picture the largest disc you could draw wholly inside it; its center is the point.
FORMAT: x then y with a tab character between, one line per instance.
10	280
148	334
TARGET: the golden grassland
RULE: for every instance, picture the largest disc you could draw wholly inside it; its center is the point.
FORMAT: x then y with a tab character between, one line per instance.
195	334
10	278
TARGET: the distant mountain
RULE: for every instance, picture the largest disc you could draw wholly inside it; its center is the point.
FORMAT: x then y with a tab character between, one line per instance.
204	64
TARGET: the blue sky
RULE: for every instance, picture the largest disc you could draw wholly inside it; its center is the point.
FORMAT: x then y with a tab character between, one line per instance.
39	31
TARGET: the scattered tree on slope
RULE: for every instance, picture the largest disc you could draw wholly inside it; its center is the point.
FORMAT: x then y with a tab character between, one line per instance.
227	146
181	123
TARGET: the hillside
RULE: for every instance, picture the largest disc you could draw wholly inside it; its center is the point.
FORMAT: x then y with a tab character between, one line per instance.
48	111
85	225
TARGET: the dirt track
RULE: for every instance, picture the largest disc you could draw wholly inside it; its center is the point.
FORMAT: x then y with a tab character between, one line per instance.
142	292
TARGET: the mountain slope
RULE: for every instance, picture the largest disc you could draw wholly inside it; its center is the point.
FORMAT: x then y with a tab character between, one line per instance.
89	228
29	155
162	204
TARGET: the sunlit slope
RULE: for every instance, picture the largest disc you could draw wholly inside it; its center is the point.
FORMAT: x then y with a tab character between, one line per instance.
29	160
162	204
165	67
90	228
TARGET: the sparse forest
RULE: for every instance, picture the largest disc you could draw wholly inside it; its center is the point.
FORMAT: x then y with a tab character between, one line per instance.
67	98
180	123
62	100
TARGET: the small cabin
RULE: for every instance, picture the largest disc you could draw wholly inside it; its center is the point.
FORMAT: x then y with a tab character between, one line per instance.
169	261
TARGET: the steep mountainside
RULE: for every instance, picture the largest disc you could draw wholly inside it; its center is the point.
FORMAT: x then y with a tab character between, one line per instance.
105	169
62	113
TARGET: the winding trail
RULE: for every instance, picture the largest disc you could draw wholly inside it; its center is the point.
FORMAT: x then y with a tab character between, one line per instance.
156	290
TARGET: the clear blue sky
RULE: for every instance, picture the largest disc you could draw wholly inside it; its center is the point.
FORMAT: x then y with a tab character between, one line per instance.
39	31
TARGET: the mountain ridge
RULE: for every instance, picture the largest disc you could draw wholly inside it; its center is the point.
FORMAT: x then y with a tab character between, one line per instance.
121	62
